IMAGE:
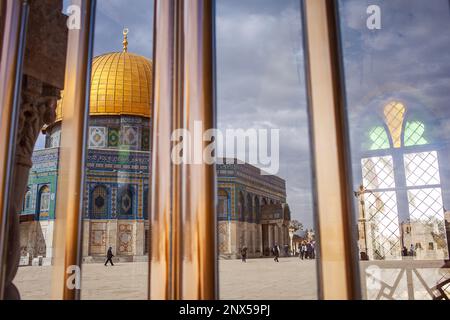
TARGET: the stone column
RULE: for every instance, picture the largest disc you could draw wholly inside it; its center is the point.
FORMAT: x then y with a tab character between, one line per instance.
277	236
43	78
270	235
260	240
37	109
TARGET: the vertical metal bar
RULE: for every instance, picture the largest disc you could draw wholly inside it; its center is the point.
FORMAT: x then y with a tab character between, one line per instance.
177	123
14	16
338	272
159	262
68	226
199	261
2	23
183	258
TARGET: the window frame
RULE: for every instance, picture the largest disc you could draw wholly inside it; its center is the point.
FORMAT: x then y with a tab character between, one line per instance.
174	197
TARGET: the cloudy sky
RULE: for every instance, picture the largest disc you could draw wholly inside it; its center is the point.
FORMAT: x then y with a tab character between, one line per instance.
260	74
407	60
261	70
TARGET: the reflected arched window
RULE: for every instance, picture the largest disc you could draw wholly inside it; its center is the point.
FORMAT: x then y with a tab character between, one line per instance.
257	210
401	185
397	131
222	208
99	204
249	207
44	201
125	201
27	200
241	206
414	134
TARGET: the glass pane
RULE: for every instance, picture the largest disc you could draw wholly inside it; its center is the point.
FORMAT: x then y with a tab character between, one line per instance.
398	87
36	169
265	216
115	217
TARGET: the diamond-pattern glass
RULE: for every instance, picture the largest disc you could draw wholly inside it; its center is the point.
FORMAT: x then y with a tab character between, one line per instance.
425	205
378	172
379	138
414	134
383	232
422	169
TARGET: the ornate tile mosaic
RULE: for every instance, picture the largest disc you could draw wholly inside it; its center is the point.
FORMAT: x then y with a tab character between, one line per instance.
97	137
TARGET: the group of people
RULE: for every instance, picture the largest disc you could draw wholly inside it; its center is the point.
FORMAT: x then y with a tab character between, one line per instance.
411	252
306	250
275	253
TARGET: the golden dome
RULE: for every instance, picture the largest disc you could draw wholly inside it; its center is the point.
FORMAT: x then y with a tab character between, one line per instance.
121	84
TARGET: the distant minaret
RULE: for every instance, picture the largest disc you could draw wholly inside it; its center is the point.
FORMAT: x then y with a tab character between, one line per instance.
125	40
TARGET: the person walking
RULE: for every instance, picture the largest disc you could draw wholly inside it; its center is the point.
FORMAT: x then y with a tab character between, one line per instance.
244	254
404	251
109	256
303	251
276	253
412	252
309	250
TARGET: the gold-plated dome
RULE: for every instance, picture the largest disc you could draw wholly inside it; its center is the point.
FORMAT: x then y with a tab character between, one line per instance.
121	84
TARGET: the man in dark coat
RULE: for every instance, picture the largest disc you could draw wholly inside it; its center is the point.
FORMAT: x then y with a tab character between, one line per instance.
109	256
244	254
276	253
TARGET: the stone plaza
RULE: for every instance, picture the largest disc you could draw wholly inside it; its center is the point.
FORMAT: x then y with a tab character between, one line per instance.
262	279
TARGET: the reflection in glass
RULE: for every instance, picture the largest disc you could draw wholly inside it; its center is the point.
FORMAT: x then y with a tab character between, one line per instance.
263	217
397	84
115	215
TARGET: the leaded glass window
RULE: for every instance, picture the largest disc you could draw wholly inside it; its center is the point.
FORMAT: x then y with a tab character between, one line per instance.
403	179
414	134
379	138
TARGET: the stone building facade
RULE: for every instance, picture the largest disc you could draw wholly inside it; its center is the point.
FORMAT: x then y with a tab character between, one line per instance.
252	207
116	208
252	211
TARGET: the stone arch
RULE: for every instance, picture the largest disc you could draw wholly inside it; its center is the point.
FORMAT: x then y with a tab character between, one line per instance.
43	207
145	203
241	206
257	209
223	209
99	202
249	208
125	201
27	200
